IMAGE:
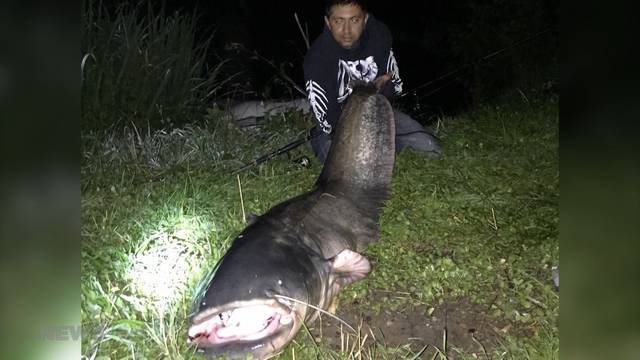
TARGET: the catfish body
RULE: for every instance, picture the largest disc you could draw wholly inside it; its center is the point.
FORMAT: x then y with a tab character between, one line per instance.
302	250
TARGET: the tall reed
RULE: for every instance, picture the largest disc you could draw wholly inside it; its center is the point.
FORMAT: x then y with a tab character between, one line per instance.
143	66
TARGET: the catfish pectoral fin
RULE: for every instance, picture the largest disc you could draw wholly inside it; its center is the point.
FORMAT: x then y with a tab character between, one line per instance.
349	266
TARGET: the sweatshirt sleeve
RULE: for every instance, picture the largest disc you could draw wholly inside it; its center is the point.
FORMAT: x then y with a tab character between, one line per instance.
392	68
394	86
321	91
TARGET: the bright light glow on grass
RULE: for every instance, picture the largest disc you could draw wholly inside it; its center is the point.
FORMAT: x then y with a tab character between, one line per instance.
162	266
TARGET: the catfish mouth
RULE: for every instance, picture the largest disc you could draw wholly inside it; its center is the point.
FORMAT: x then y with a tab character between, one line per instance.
262	326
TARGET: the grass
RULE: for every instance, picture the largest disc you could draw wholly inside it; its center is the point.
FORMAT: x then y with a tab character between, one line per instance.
144	67
479	226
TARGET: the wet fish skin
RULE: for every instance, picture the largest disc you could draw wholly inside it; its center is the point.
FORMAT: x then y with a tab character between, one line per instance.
305	248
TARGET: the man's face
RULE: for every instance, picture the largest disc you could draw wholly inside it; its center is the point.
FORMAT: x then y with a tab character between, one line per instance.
346	23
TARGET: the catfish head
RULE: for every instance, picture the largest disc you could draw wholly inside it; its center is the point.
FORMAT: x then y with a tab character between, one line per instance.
263	289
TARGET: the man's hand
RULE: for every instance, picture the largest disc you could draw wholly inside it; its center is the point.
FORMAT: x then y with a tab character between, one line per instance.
381	80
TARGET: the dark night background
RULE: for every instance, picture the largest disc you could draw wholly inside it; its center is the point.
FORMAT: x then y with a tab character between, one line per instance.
40	107
431	38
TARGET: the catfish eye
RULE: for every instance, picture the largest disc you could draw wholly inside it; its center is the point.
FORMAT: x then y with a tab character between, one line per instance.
270	293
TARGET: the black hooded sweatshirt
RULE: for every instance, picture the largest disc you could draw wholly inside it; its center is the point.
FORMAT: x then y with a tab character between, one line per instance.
328	68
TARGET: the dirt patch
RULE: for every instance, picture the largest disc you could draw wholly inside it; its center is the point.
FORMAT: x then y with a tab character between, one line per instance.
468	329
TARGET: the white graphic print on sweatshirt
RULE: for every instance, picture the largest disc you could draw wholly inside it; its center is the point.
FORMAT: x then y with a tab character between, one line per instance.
392	68
318	100
366	69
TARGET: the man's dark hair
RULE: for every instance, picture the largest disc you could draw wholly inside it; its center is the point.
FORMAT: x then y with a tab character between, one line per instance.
331	3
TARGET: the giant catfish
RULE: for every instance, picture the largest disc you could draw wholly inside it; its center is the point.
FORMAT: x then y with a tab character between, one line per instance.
302	250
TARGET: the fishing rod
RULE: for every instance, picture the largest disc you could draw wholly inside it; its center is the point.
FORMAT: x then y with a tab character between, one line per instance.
285	149
294	144
474	63
310	134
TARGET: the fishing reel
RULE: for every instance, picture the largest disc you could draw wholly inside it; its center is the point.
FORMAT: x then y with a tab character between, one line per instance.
302	161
